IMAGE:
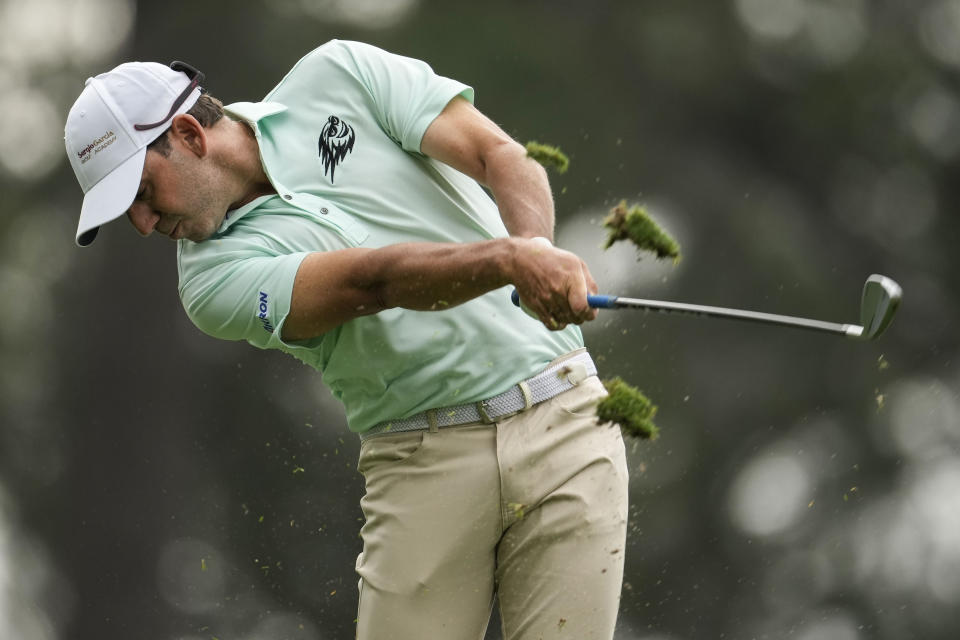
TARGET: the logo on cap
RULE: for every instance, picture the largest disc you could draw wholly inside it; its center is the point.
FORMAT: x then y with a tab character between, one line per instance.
96	146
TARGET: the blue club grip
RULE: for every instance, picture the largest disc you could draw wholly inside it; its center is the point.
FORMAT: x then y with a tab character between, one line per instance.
601	301
598	301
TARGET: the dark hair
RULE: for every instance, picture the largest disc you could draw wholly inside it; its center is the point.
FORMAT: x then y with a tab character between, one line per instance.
207	110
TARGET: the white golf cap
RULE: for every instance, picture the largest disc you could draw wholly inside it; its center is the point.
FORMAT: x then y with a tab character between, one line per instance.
109	127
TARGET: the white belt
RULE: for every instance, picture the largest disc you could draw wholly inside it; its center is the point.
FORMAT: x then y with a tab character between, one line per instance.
552	381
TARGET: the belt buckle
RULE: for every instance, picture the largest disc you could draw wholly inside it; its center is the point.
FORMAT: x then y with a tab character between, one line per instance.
527	403
485	417
482	411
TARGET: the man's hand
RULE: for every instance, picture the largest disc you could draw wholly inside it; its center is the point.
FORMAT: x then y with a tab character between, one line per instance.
553	284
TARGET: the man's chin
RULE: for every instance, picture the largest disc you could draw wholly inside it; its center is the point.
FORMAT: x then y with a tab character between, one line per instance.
199	235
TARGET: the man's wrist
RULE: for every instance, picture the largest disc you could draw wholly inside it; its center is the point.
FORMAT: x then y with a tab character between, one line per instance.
543	240
519	250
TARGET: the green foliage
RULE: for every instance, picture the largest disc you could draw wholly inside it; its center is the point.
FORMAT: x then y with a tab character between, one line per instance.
548	156
636	225
629	408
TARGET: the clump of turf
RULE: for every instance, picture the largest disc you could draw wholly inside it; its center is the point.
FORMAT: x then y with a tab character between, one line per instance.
636	225
629	408
548	156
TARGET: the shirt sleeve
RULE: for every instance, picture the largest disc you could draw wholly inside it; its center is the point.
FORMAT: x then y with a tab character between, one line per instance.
406	94
238	295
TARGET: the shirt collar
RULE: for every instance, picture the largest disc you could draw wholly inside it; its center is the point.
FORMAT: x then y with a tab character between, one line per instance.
252	112
235	214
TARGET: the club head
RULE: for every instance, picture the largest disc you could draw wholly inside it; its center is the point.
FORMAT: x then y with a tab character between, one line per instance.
881	297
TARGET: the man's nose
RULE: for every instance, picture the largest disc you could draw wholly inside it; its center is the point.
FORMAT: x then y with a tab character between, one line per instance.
143	218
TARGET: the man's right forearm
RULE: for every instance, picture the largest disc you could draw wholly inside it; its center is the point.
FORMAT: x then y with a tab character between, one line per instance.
335	287
432	276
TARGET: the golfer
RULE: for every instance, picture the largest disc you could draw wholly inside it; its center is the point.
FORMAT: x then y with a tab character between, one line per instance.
342	220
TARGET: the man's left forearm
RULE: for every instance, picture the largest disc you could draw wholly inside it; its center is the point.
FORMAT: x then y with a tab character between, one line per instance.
522	191
468	141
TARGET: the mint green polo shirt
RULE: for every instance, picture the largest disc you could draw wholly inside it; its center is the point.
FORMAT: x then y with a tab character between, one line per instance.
339	139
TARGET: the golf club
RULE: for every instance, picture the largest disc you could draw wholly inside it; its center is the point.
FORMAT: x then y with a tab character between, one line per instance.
879	302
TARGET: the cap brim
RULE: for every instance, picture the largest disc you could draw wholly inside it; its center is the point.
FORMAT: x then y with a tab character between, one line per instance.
110	198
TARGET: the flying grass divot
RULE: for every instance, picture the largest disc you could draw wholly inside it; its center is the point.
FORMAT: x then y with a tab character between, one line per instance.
636	225
629	408
548	156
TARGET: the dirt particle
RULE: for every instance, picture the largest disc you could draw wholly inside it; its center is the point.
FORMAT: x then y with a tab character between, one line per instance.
636	225
627	406
548	156
517	509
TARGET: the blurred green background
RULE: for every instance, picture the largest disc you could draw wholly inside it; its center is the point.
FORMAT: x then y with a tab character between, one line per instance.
155	483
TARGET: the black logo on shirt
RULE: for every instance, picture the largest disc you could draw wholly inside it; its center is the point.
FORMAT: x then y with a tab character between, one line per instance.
336	141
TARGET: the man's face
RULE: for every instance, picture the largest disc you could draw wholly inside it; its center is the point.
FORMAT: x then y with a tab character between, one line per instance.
180	196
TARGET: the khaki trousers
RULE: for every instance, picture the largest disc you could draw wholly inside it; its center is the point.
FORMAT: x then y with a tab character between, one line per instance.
533	508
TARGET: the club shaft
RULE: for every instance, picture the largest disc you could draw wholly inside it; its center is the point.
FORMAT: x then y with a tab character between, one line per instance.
616	302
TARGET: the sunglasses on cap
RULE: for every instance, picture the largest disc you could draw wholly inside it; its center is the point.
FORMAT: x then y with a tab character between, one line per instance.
196	77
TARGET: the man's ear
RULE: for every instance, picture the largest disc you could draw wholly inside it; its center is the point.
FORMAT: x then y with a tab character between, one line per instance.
187	131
